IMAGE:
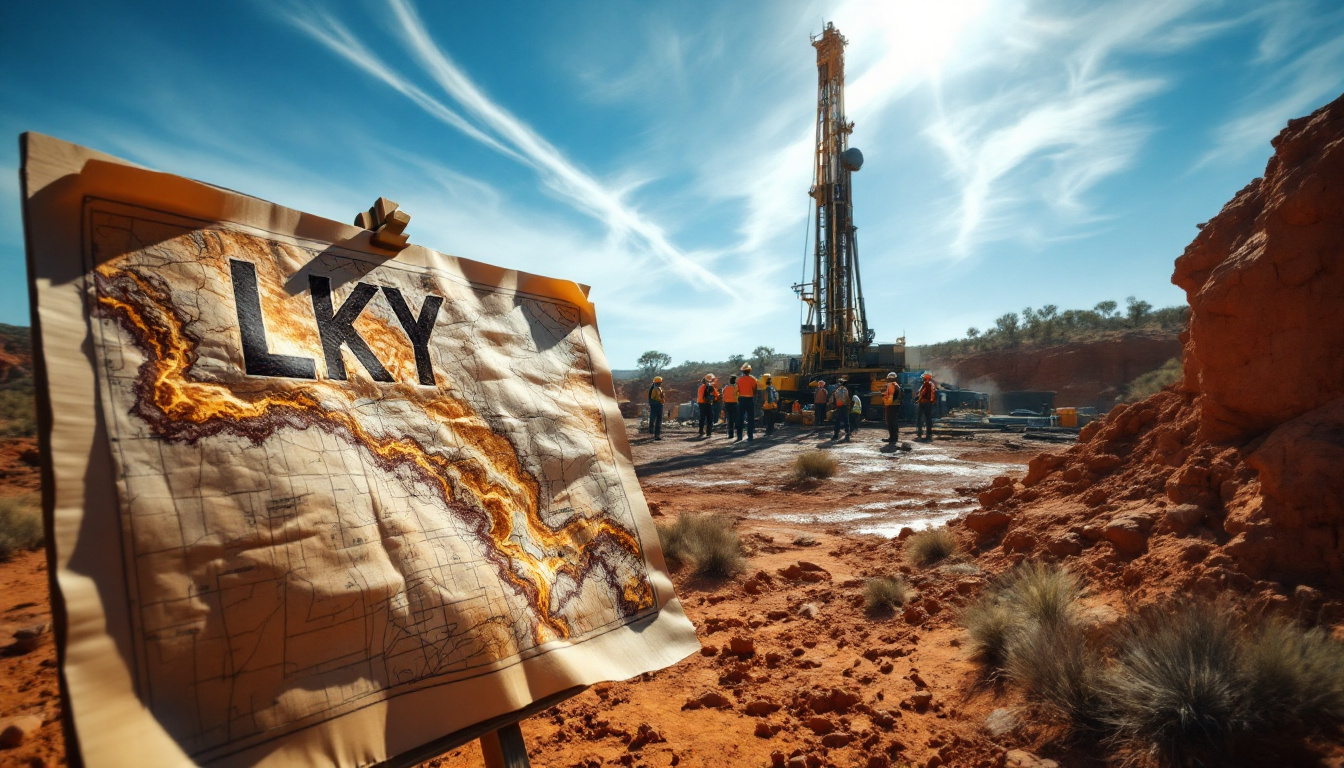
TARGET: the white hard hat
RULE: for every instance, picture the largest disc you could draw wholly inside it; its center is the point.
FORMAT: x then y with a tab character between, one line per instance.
891	375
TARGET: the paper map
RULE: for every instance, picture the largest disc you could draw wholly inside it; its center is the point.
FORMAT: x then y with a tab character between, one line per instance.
341	478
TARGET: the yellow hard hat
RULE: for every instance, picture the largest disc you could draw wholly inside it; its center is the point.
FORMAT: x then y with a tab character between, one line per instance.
657	379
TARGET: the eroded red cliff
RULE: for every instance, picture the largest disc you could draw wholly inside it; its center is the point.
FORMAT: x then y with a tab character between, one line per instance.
1235	477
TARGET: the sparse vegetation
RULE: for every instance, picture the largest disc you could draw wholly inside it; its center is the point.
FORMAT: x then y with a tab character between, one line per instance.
18	406
928	547
805	540
20	526
707	543
886	593
1153	382
1031	595
1048	325
815	464
1186	684
991	623
1056	667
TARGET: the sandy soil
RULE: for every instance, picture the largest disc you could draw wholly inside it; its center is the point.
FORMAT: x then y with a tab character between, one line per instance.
821	680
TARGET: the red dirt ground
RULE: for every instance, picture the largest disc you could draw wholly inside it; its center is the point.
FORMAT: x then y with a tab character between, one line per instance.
828	673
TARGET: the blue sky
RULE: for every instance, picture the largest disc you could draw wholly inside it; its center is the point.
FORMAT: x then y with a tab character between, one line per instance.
1018	153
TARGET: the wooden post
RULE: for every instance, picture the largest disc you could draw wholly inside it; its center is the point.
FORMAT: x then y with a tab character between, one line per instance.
504	748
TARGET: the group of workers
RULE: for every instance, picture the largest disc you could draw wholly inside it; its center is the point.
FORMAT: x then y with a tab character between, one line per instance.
738	399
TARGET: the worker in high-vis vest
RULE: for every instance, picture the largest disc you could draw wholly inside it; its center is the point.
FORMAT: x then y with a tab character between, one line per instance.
730	408
770	405
656	408
819	401
891	407
746	403
924	402
705	395
855	410
840	400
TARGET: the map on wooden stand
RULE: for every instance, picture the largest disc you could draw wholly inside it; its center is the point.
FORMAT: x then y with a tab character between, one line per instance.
315	499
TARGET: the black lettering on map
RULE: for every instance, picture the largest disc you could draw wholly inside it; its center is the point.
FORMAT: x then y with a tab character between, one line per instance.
257	357
337	328
418	329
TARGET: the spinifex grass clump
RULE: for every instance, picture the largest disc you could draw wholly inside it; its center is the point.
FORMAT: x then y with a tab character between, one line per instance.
20	526
928	547
1196	684
885	593
1188	683
1026	626
814	465
707	543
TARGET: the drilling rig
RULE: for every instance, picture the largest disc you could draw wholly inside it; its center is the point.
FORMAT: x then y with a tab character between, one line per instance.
836	337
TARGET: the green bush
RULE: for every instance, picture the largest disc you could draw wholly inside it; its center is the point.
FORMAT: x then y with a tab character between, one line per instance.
928	547
18	411
1153	382
814	464
708	543
20	526
885	593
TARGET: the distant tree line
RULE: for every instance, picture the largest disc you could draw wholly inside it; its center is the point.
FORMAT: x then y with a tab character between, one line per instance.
1047	325
18	408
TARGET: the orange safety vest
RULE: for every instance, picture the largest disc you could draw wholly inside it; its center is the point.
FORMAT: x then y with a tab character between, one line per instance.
730	393
926	392
821	396
746	386
892	395
706	394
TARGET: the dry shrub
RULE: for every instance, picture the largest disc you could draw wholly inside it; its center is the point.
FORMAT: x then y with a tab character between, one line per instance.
1173	691
1189	683
814	465
20	526
1056	667
991	623
1296	676
886	593
928	547
708	543
1193	684
1046	595
1032	608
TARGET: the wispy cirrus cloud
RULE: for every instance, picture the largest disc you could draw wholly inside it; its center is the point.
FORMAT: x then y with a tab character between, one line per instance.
497	128
1069	120
1290	89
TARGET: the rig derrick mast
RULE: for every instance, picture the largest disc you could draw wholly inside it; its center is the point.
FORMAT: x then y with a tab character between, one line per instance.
836	336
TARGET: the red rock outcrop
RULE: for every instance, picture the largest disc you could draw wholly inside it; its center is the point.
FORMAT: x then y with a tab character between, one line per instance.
1083	373
1265	281
1235	475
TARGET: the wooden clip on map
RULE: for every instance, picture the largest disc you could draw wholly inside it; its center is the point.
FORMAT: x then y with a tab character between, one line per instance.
387	222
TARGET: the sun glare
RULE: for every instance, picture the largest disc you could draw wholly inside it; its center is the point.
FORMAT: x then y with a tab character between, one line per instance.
891	43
